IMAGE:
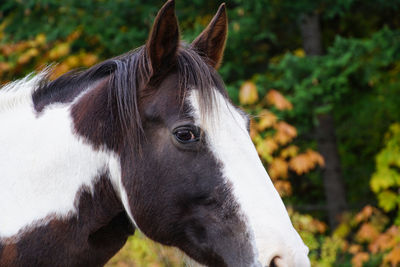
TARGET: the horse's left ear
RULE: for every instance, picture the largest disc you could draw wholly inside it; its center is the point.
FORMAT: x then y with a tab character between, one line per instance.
211	42
163	41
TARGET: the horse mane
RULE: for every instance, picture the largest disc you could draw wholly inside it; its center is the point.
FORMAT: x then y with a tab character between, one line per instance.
126	74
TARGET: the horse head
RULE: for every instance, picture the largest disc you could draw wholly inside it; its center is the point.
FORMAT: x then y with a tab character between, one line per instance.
195	181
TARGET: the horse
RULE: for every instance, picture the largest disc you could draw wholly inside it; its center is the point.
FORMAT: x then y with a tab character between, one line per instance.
149	141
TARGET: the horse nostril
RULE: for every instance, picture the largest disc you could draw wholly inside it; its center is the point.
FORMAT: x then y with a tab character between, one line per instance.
274	262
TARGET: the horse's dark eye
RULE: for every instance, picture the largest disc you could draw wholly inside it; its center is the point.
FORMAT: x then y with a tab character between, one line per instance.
186	135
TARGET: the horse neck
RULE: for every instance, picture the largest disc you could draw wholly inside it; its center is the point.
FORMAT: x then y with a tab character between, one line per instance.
50	159
95	118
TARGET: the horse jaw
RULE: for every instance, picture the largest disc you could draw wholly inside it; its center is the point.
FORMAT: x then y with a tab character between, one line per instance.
262	208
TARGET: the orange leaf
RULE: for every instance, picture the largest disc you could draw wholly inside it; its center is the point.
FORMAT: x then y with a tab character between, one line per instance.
301	164
381	243
253	129
385	241
18	47
315	157
89	59
267	120
73	36
4	66
305	162
59	70
364	214
283	187
278	100
367	233
7	49
248	93
394	231
359	259
278	168
284	132
393	257
24	58
354	249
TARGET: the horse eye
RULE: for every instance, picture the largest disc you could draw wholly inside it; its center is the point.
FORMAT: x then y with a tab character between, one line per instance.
185	135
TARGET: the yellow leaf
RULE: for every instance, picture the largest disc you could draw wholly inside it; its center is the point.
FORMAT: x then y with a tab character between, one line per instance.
359	259
72	61
248	93
33	52
289	152
267	120
278	100
236	26
266	147
299	53
59	51
27	56
40	39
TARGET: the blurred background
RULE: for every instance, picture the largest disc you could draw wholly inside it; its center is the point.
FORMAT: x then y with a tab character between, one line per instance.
320	77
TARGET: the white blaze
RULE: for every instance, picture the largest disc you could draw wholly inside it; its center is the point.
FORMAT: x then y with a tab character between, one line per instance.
260	203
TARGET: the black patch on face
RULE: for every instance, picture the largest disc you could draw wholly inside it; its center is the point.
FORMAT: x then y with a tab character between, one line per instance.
89	238
95	118
179	197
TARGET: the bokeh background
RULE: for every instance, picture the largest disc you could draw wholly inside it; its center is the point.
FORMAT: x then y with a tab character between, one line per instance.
321	79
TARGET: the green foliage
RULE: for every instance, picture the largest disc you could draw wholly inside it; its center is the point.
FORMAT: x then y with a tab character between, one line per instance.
316	84
357	79
115	34
385	181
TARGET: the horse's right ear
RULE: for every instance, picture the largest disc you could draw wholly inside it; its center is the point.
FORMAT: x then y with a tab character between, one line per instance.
163	41
211	42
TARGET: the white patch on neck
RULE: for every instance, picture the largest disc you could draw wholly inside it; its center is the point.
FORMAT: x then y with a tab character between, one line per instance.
19	92
260	203
43	163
